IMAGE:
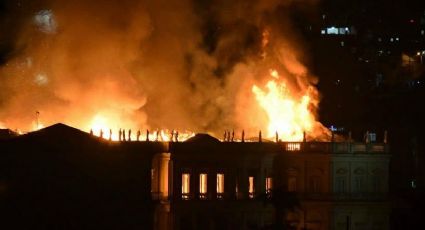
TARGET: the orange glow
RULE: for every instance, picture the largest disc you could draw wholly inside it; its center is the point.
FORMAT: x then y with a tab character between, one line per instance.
269	184
220	183
288	116
111	124
251	187
37	126
203	183
100	123
185	185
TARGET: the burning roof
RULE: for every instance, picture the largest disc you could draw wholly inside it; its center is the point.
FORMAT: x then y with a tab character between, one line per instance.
160	66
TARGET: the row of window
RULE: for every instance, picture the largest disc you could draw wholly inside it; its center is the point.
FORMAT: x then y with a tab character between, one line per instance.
359	185
203	186
313	186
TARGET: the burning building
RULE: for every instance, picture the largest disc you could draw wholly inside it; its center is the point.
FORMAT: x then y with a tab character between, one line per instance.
132	73
61	176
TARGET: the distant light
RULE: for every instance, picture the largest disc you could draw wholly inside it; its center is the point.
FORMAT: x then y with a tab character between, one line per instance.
323	31
342	43
332	30
391	39
413	183
396	38
412	21
418	53
379	39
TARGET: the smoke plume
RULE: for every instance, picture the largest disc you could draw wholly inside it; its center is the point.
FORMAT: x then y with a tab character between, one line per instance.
176	64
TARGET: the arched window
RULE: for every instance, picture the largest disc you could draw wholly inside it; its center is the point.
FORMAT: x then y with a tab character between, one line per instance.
203	185
220	185
315	184
251	187
185	186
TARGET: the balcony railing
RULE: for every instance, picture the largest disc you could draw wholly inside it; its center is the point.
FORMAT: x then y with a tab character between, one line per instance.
335	147
364	196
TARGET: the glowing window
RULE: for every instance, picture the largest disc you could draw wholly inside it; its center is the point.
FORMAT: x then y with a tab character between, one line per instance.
251	188
220	185
269	184
202	185
185	185
332	30
293	147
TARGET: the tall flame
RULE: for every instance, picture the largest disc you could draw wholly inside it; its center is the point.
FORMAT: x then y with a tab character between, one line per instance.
288	116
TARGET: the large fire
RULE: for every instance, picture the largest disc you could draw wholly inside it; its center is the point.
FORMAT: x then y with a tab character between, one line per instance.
108	127
289	118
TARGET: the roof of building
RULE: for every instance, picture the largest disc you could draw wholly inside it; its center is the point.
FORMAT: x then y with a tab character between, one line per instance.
58	128
7	134
203	138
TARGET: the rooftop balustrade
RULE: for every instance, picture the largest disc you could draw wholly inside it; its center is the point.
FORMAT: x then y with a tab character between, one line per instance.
335	147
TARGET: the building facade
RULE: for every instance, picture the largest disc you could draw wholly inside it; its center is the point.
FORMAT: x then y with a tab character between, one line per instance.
62	176
231	185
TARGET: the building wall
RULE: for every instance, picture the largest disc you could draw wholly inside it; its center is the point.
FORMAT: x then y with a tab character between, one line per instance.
337	186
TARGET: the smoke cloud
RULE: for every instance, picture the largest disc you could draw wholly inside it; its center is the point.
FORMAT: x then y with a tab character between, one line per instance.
176	64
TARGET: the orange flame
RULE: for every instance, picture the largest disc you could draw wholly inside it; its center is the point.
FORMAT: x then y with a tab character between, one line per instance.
37	126
108	128
288	117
